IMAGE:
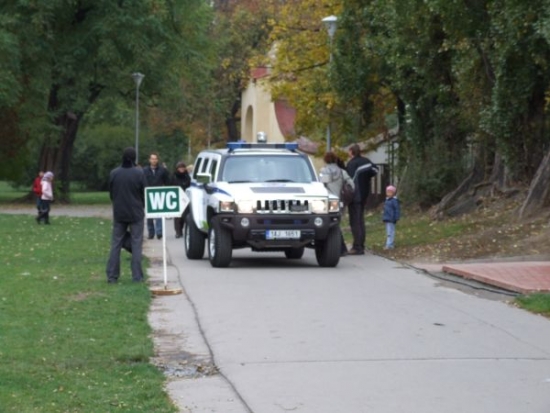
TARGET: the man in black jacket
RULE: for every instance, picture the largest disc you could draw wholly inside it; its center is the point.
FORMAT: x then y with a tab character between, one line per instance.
361	169
155	175
126	189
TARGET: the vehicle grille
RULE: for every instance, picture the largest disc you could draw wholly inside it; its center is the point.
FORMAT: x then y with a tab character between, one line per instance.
283	206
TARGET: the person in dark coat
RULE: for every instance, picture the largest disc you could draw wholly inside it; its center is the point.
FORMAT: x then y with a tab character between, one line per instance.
182	179
361	169
126	190
155	175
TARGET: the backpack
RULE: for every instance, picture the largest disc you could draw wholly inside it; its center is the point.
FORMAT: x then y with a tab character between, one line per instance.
346	193
348	189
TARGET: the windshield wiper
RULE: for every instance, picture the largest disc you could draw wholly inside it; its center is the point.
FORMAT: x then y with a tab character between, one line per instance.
279	180
238	182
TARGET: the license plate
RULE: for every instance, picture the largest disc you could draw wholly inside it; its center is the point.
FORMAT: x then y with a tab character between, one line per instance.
282	234
298	208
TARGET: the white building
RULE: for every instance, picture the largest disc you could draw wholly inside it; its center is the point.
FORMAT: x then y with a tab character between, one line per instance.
259	113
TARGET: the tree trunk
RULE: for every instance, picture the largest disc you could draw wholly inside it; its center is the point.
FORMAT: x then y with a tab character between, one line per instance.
539	191
56	155
233	134
461	200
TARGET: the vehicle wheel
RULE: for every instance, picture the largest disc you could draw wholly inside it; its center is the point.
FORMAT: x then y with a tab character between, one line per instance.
220	250
294	253
193	239
328	251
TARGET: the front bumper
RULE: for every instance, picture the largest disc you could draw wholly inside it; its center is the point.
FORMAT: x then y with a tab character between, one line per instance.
255	233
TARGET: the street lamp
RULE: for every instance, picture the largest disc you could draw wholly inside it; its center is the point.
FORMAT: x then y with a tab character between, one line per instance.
138	77
330	22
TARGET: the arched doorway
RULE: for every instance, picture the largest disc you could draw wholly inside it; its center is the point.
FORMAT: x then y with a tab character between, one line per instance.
248	124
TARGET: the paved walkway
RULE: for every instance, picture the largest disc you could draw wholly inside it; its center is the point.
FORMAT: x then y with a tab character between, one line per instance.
519	276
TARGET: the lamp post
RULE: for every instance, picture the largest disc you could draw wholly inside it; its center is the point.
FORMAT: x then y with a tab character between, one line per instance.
138	77
330	23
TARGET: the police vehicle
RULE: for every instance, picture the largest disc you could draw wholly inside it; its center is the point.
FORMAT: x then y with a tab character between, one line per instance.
262	196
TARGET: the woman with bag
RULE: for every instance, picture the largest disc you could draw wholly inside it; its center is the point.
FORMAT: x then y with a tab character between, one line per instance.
339	183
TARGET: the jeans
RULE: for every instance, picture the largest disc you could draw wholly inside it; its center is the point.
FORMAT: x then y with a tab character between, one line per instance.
117	241
154	227
390	234
44	211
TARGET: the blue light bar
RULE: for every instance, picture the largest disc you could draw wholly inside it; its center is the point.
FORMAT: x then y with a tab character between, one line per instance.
291	146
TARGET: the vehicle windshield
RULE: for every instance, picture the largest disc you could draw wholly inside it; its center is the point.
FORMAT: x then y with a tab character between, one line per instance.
267	168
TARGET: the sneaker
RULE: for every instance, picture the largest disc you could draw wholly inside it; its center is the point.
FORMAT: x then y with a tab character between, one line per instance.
355	252
159	236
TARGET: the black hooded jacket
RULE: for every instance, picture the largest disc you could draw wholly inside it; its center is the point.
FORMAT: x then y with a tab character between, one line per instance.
126	189
182	179
361	169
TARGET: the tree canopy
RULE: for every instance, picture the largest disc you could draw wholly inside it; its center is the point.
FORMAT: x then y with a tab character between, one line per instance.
467	80
65	56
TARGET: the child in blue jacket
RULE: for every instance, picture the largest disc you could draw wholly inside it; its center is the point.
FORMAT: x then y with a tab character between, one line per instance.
391	215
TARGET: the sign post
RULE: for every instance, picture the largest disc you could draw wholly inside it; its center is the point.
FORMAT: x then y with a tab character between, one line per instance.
165	202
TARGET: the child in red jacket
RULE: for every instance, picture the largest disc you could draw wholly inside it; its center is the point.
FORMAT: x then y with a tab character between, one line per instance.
37	188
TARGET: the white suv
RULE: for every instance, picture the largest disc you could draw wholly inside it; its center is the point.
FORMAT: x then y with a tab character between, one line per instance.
261	196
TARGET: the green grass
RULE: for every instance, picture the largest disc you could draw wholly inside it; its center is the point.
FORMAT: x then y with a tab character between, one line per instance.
8	194
90	198
78	197
70	342
537	303
411	231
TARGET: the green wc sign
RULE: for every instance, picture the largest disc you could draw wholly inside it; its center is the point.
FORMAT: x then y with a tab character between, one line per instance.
165	201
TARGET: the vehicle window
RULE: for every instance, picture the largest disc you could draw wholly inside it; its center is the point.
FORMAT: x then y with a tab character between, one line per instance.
197	167
204	167
267	168
213	168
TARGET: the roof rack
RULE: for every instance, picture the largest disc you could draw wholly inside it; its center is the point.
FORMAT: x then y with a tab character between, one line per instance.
291	146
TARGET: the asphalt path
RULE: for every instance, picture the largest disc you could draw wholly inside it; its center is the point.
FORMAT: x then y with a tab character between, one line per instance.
271	335
368	336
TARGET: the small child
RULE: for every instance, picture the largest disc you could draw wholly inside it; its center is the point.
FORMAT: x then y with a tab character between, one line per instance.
391	215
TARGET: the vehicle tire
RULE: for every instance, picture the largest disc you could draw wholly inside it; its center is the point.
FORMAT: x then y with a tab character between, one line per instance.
193	239
220	249
327	252
294	253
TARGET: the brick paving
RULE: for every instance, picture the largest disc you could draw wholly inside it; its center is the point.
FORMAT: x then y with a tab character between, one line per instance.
520	276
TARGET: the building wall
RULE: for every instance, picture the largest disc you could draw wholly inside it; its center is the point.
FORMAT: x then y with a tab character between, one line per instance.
258	113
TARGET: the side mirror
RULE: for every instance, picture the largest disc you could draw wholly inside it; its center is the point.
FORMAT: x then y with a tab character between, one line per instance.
204	178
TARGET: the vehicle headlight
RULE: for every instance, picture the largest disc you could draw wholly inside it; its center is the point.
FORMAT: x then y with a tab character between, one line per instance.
245	207
227	206
318	206
333	205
